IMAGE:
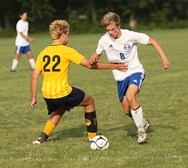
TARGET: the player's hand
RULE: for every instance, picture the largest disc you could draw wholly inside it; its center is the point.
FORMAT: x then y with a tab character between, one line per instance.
122	67
166	64
33	103
94	59
30	39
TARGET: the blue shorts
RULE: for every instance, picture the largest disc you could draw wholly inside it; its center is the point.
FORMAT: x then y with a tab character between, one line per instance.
23	49
135	79
67	103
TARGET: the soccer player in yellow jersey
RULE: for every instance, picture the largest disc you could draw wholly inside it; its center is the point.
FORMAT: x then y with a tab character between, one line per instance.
53	62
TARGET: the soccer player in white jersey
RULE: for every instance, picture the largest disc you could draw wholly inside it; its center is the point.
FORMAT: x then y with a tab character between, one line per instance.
23	42
120	46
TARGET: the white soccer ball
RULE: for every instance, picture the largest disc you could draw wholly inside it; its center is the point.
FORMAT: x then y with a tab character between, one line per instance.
99	142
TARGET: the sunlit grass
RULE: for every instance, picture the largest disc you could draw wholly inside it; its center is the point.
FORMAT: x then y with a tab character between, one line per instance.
163	97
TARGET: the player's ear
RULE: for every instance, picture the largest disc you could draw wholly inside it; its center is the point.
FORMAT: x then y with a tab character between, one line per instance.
66	33
62	35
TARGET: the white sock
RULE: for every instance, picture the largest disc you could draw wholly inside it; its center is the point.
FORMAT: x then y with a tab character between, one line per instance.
32	63
144	121
14	64
138	118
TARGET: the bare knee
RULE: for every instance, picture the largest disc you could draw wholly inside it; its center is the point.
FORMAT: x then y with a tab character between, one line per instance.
29	55
88	103
130	99
91	100
133	103
56	116
88	100
17	57
126	107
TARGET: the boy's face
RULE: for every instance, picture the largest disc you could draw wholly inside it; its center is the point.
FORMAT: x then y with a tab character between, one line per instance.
113	30
23	16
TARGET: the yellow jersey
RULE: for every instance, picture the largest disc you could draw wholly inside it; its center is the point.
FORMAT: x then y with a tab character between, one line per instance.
54	63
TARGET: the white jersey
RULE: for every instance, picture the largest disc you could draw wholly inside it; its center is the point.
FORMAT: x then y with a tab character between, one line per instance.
123	50
22	26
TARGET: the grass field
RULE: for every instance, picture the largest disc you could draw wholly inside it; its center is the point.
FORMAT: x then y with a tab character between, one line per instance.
164	99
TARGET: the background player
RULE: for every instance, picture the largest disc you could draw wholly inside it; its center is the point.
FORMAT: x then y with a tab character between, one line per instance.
54	63
23	41
120	46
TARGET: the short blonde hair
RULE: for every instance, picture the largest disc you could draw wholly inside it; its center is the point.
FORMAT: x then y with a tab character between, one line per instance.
57	27
109	18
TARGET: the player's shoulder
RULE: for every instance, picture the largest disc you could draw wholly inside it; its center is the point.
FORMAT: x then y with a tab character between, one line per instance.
129	34
60	47
105	37
126	31
22	23
67	48
19	22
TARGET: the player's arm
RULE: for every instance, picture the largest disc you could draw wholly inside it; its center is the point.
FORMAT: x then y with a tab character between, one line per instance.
94	58
26	37
34	81
99	65
158	48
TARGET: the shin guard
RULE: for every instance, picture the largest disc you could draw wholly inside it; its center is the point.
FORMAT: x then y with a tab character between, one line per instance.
91	122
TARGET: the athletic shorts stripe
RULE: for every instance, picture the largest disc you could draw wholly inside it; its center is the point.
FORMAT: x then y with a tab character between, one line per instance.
67	103
23	49
122	86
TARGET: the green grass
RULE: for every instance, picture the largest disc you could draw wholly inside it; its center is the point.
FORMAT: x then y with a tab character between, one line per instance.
163	97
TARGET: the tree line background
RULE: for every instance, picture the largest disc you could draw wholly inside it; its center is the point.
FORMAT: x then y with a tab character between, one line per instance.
84	15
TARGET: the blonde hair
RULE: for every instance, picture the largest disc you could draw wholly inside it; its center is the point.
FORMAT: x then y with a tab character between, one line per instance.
109	18
57	27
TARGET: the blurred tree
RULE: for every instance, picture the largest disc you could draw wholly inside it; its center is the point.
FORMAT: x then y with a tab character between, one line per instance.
8	13
84	15
37	10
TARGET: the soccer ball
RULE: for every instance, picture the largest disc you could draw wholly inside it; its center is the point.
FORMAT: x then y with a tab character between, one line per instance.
99	142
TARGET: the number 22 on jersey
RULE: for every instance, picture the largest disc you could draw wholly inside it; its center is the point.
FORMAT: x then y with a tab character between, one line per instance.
54	61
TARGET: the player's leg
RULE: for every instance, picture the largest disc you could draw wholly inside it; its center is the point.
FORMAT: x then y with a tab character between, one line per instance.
126	107
90	116
127	111
131	96
136	111
53	121
31	59
15	61
50	125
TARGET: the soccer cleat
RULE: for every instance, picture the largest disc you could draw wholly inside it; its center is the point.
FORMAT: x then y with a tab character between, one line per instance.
12	70
142	137
89	140
39	141
147	124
